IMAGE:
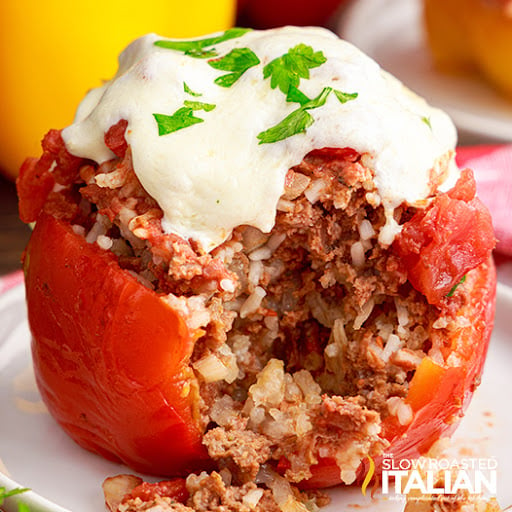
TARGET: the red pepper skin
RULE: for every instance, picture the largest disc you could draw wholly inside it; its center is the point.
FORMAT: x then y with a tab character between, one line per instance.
110	357
437	395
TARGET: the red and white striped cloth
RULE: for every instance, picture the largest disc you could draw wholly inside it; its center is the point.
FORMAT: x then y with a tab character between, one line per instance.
10	281
492	165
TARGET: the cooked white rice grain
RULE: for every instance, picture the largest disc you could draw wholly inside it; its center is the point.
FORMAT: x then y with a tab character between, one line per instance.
114	179
363	315
384	329
275	241
406	358
332	350
58	188
403	411
310	389
283	205
373	199
255	272
126	215
193	308
227	285
366	230
357	254
223	411
367	245
271	323
296	184
262	253
252	498
402	313
229	360
79	230
253	238
270	385
100	227
393	344
233	305
253	302
104	242
211	368
226	476
436	355
314	190
257	416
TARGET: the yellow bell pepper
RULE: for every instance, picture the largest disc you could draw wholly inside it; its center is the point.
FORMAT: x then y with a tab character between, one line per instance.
472	35
53	51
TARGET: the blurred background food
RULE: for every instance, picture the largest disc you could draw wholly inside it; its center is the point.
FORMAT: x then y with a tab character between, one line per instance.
275	13
53	51
474	36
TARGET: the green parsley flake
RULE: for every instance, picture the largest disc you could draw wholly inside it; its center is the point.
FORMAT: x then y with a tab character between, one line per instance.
199	105
426	120
7	494
182	118
296	122
22	507
452	291
237	61
287	70
299	120
343	97
188	90
296	96
198	47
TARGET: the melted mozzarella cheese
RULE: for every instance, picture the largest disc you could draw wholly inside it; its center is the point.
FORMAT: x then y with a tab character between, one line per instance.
214	175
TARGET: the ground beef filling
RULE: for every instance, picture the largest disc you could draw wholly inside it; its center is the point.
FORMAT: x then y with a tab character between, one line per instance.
311	332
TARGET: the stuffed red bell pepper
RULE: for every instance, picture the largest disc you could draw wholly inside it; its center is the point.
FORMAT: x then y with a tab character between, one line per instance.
253	253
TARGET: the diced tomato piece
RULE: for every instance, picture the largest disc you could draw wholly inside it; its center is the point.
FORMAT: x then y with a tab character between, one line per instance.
38	176
440	245
114	138
34	183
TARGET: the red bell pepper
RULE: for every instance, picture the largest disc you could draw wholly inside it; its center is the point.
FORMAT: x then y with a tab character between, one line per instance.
110	357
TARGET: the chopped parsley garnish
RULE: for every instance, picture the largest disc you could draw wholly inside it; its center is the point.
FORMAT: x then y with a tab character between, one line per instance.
199	105
198	47
237	61
22	507
182	118
452	291
299	120
287	70
285	73
343	97
426	120
188	90
296	122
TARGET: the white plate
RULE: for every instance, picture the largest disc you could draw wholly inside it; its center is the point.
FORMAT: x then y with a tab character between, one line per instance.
35	453
391	32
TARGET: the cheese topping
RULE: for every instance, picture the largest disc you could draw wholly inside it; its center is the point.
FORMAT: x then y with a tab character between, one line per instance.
215	125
